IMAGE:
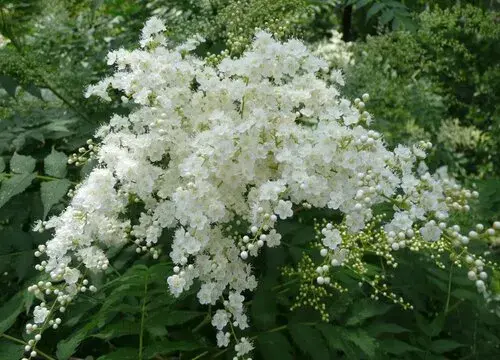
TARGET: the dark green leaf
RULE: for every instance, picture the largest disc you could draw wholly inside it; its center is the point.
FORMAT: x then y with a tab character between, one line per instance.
10	310
67	347
10	350
374	10
273	346
381	328
9	84
13	186
52	192
2	164
365	309
361	339
167	347
264	308
33	90
121	354
387	16
396	347
309	341
442	346
55	164
21	164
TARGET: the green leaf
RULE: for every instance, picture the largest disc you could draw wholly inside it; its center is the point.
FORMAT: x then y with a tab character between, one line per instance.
33	90
2	164
442	346
309	341
374	10
9	84
167	347
397	347
121	354
10	310
382	328
363	340
365	309
14	185
172	318
21	164
264	308
52	192
55	164
273	346
117	329
10	350
387	16
67	347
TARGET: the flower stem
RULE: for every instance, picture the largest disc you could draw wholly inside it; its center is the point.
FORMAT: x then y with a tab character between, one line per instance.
19	341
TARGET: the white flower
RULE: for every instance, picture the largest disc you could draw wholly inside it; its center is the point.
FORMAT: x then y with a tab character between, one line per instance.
284	209
40	314
243	347
220	319
431	232
273	238
222	339
176	284
332	238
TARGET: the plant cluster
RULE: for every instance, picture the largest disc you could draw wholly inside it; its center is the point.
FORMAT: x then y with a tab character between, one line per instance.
218	155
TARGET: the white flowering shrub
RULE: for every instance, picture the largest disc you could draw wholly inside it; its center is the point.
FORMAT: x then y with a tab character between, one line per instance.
219	155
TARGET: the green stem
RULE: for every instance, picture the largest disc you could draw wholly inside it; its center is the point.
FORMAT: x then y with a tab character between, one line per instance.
446	309
143	311
200	355
19	341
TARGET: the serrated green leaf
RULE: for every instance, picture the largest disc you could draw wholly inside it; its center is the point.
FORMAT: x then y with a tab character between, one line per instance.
117	329
55	164
366	309
385	328
309	341
52	192
14	185
173	318
397	347
167	347
10	310
363	340
21	164
443	345
121	354
273	346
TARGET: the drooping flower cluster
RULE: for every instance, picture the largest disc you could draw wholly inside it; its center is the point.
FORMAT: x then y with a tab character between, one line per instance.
335	51
219	154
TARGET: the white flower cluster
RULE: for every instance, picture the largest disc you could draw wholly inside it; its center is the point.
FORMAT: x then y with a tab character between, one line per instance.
218	154
336	51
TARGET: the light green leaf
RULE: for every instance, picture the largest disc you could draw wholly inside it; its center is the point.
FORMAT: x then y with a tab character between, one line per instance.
52	192
309	341
14	185
55	164
374	10
2	164
21	164
10	310
442	346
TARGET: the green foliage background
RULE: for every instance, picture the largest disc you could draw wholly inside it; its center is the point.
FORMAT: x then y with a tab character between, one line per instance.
422	66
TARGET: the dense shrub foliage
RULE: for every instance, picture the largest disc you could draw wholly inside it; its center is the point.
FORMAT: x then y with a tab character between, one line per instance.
243	193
